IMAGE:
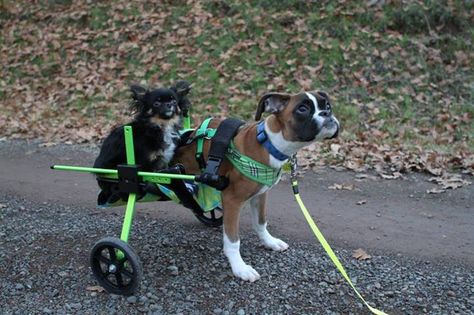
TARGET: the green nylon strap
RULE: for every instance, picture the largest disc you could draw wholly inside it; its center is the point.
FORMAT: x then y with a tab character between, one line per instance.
201	133
254	170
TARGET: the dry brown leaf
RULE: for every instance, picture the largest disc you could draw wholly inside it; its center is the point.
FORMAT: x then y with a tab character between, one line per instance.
395	175
360	254
436	191
450	181
335	148
95	288
342	187
365	176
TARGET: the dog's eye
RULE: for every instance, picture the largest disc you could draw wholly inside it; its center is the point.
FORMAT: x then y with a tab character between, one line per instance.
302	109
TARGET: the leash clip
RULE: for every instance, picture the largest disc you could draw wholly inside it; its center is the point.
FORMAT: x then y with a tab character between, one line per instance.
294	164
293	177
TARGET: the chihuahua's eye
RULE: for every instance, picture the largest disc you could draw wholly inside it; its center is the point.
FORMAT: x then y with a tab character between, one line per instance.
156	104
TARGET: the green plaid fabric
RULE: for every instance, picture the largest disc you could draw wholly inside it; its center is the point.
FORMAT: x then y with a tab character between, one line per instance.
254	170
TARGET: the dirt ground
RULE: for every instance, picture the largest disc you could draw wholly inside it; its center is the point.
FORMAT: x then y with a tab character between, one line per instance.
398	218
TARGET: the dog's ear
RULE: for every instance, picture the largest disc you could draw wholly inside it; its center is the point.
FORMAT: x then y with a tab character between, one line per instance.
138	92
182	88
272	103
138	97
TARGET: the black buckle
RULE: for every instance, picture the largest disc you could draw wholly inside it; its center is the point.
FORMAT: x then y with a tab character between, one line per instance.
210	176
128	178
213	164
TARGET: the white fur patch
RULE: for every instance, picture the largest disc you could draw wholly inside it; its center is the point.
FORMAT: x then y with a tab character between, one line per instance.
287	147
239	268
169	135
261	229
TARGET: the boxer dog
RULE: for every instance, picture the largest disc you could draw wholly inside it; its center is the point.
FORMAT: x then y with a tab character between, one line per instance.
294	122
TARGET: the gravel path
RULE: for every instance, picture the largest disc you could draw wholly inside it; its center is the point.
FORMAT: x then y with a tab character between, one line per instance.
44	270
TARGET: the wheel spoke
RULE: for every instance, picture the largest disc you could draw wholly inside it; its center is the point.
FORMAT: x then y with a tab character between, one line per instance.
104	259
127	273
119	278
213	214
113	257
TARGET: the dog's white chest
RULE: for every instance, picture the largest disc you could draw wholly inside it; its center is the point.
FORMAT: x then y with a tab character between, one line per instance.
169	135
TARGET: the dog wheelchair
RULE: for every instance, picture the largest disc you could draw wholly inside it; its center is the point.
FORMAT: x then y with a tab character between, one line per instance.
114	263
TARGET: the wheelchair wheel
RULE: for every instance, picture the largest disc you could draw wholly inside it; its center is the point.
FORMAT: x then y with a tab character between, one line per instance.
213	218
116	266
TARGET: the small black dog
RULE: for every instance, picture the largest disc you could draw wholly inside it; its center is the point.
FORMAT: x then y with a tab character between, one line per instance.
158	119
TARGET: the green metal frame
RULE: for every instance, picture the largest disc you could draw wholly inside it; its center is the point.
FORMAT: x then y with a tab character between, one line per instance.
156	178
132	197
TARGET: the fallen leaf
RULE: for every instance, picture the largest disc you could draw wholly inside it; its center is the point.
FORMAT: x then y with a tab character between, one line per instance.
365	176
361	254
335	148
395	175
436	191
342	187
95	288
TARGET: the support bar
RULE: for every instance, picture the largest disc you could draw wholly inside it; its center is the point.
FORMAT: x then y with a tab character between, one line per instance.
148	175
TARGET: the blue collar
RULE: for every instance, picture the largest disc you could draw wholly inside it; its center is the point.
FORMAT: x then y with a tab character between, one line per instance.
262	138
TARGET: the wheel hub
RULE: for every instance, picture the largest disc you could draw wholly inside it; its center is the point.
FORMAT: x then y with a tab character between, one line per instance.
112	268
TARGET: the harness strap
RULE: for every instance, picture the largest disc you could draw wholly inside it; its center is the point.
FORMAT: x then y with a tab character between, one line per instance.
203	132
219	145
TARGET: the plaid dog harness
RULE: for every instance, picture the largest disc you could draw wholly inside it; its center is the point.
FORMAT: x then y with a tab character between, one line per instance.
254	170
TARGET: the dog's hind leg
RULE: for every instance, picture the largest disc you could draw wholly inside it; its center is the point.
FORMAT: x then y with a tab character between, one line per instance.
259	222
240	269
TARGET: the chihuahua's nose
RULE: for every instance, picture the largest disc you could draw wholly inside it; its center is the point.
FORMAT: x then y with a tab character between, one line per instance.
324	113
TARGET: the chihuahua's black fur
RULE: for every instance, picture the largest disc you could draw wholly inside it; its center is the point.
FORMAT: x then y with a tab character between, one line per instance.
155	127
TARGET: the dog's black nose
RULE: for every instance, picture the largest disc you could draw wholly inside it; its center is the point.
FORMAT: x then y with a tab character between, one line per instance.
324	113
170	105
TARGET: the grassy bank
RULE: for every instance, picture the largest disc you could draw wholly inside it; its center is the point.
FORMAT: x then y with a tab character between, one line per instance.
400	74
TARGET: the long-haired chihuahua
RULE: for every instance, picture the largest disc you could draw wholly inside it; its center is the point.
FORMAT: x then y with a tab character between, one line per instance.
156	125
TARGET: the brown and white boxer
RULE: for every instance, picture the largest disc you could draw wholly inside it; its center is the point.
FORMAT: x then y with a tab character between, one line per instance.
294	122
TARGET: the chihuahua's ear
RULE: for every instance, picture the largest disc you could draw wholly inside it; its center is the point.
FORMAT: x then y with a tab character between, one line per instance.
272	103
138	97
138	92
181	88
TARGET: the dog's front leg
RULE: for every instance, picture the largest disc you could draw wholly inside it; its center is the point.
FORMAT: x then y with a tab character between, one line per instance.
232	241
259	222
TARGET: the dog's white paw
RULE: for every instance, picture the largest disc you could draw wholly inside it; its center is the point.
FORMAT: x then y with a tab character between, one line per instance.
275	243
246	272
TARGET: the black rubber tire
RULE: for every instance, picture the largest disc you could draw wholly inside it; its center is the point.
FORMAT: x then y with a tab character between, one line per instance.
213	218
129	267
